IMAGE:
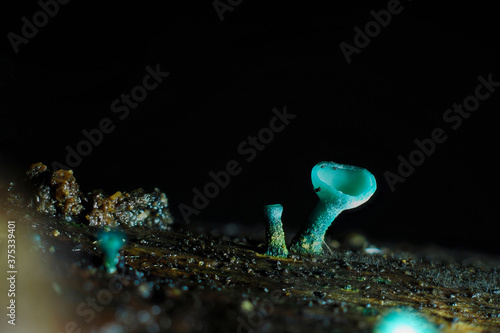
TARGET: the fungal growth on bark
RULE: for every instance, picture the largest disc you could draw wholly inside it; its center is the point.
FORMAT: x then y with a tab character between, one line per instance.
111	242
276	245
179	278
339	187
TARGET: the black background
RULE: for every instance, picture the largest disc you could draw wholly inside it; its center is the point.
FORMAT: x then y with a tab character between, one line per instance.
225	79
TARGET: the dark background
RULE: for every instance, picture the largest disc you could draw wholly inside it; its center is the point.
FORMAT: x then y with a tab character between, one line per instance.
225	79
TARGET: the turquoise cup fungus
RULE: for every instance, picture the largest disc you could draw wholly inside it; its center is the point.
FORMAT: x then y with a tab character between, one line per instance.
339	187
111	242
404	321
276	245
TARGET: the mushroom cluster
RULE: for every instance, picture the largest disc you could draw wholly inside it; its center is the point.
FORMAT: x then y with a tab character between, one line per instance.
339	187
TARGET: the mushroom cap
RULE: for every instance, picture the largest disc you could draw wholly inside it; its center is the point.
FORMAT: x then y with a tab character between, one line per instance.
341	185
111	241
273	211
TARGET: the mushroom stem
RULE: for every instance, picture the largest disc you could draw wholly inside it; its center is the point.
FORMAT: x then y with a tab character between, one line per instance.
276	245
111	242
110	261
311	239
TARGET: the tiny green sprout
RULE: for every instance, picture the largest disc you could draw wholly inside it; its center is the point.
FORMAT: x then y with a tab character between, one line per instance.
276	245
111	242
339	187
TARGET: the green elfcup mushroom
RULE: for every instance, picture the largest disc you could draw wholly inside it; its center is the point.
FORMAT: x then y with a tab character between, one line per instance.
276	245
339	187
111	242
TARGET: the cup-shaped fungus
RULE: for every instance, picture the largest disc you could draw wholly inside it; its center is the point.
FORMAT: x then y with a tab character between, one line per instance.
339	187
404	321
276	245
111	242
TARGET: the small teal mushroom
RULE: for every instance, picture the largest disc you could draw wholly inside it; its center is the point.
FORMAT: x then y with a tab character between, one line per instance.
404	321
339	187
276	245
111	242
